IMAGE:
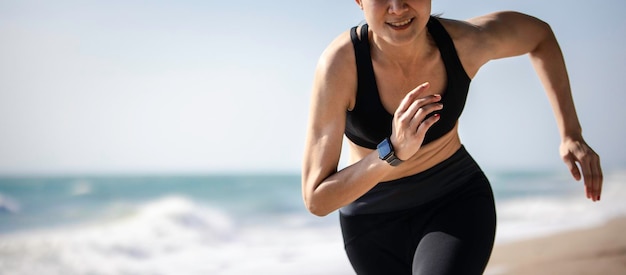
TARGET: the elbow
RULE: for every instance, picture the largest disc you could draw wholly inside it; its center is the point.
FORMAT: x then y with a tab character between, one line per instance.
316	208
319	198
314	201
546	35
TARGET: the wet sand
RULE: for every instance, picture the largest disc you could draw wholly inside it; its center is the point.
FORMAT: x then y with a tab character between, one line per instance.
597	250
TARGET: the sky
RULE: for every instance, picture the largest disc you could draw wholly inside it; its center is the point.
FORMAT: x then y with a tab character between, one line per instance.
102	87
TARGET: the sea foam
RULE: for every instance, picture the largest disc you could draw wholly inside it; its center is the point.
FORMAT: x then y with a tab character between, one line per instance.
175	235
8	205
534	216
178	234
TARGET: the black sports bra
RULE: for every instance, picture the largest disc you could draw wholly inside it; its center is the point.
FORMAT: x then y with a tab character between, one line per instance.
368	123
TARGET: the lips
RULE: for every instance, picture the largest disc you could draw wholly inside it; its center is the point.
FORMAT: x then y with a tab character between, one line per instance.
400	24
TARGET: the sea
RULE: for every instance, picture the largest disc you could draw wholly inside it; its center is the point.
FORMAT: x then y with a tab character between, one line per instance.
235	223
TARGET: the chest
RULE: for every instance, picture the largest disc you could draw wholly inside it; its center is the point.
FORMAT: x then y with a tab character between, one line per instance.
395	83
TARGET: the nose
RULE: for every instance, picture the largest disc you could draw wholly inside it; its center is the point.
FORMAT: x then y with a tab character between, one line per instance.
397	6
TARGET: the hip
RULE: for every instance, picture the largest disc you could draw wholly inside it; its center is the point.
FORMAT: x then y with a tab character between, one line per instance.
458	174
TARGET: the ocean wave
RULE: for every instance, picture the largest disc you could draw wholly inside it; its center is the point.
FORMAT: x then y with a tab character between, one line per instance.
176	235
181	235
8	205
534	216
81	188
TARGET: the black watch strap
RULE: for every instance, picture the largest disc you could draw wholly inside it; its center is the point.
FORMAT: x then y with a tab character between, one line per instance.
394	161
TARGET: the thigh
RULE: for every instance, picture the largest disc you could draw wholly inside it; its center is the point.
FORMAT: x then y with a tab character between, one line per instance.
378	244
458	239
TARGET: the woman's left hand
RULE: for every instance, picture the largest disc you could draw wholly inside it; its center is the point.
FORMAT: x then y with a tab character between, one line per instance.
576	151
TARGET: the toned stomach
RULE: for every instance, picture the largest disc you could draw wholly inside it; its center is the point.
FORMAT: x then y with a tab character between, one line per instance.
426	157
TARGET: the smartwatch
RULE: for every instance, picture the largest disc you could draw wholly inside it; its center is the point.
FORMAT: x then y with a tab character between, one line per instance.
386	153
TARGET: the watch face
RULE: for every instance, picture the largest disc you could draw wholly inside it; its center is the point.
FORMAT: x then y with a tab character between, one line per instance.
384	149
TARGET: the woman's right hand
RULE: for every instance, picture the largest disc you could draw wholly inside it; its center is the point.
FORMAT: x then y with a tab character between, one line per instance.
410	124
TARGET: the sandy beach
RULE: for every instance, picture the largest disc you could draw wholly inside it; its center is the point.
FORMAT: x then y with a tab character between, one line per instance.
597	250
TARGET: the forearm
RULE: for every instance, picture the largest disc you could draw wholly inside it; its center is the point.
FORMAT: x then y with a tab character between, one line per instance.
345	186
549	64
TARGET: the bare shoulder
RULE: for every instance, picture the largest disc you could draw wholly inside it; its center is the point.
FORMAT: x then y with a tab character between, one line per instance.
467	41
494	35
463	32
489	24
339	50
336	70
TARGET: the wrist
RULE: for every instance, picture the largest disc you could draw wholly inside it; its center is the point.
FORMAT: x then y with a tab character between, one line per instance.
387	153
571	136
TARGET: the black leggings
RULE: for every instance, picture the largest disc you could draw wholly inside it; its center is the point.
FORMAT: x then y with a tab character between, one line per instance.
452	234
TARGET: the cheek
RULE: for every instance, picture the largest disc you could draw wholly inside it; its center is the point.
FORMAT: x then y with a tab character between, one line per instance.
374	11
374	6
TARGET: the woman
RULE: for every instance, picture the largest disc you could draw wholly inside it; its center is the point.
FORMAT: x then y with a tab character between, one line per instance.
412	199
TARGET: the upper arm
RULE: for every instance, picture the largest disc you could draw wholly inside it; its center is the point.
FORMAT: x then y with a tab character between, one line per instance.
333	92
507	34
